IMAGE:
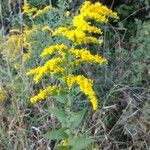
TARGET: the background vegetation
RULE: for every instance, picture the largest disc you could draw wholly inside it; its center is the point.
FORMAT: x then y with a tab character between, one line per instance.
122	86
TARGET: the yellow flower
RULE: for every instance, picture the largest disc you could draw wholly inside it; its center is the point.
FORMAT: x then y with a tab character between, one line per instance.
51	66
86	86
12	47
83	55
79	32
97	11
45	93
52	49
81	24
42	11
27	9
28	31
75	35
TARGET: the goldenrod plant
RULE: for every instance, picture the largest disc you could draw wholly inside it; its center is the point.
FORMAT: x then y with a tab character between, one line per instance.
91	75
62	60
34	12
17	44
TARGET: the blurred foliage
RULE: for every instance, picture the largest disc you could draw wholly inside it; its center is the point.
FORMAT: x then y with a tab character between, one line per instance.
141	53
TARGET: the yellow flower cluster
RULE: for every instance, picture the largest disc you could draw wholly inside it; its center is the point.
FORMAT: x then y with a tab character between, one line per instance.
34	12
14	45
25	41
86	86
52	66
27	31
75	35
16	41
97	11
11	48
52	49
80	31
81	24
83	55
42	11
27	9
2	95
45	93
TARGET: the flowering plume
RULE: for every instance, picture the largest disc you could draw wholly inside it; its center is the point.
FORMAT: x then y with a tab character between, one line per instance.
65	58
81	28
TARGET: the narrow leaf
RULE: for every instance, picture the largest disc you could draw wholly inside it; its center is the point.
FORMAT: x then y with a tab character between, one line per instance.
56	134
79	143
61	115
76	118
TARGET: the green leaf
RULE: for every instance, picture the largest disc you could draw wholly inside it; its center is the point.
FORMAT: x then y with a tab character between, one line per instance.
76	118
76	90
79	143
61	97
62	148
61	115
56	134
